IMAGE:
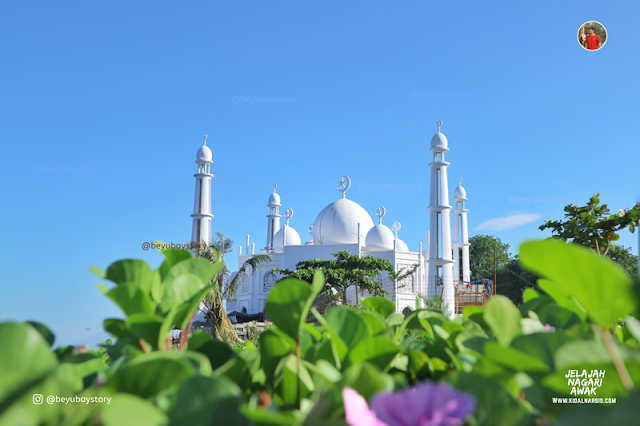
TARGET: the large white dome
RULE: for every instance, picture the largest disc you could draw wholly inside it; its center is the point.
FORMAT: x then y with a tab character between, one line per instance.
293	238
379	237
338	223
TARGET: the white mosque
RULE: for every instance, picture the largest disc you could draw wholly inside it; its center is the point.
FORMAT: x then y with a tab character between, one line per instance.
344	225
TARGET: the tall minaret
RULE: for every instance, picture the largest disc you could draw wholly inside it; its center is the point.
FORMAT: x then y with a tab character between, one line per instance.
440	262
202	216
460	234
274	218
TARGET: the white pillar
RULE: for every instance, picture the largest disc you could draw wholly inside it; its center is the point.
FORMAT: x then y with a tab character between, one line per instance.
201	229
440	260
273	224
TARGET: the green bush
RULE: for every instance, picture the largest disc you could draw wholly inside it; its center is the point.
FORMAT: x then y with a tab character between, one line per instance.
512	360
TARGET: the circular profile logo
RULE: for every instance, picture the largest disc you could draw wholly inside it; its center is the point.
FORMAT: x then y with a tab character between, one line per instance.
592	35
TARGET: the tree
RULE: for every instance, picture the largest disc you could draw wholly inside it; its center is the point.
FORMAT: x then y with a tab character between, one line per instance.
481	255
513	280
623	257
592	226
225	288
347	270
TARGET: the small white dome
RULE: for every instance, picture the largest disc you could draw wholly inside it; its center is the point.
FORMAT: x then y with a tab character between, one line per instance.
293	238
379	238
439	141
460	193
274	199
338	223
401	246
204	154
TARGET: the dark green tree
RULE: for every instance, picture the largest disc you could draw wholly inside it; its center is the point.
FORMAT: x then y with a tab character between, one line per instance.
481	255
592	225
512	280
623	257
347	270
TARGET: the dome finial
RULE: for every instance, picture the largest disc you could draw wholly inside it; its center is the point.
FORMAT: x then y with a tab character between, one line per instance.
439	123
380	213
396	227
310	234
345	184
204	139
275	185
459	180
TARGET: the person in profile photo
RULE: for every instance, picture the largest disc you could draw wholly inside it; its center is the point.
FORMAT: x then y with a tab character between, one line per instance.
593	41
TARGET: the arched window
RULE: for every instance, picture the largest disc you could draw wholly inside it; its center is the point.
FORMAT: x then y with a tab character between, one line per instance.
244	310
269	281
407	311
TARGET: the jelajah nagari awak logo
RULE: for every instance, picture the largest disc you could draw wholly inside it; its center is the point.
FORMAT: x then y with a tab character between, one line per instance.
584	382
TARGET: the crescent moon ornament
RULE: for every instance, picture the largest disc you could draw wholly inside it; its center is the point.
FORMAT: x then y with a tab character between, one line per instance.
439	123
288	214
345	184
380	213
396	227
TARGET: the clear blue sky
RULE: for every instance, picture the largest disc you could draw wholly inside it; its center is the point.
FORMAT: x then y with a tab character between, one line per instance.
127	89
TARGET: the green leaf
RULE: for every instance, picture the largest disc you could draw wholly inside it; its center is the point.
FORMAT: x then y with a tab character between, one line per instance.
172	257
133	271
513	358
202	268
205	401
131	410
601	287
379	305
180	290
44	331
274	345
542	346
132	299
558	317
217	351
379	351
98	271
288	303
530	294
375	322
146	327
562	297
148	374
24	357
503	318
351	328
365	379
184	312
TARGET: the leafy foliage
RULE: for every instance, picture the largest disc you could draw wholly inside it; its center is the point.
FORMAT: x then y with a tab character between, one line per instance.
349	270
592	225
512	360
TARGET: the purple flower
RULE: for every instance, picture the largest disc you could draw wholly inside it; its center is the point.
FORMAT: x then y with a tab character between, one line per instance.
428	404
549	328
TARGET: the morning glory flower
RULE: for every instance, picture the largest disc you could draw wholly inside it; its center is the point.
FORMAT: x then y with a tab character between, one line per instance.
427	404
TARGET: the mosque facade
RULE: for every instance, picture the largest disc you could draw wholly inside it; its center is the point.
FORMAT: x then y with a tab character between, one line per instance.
345	225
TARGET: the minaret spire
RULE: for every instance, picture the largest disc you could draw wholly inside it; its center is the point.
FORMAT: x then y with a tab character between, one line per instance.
201	230
460	235
273	217
440	263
